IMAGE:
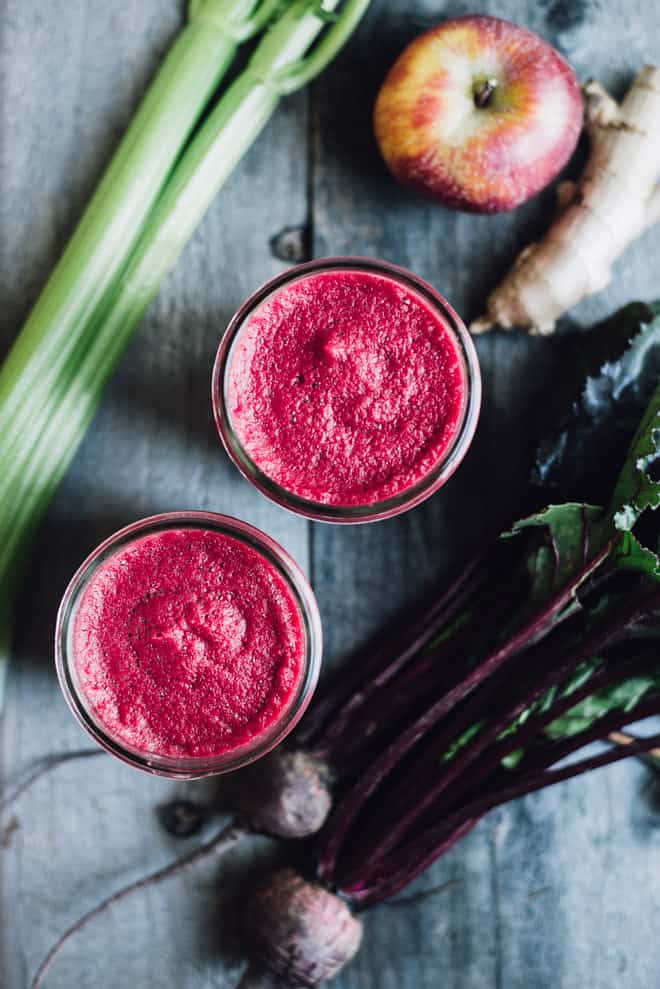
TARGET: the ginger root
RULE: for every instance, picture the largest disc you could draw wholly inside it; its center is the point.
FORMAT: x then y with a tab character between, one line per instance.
615	200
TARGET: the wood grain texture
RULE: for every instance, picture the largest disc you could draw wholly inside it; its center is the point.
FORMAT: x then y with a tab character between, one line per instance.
560	890
548	892
153	447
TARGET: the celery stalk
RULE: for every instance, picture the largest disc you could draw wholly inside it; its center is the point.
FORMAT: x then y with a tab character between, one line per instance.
59	401
42	363
113	219
33	475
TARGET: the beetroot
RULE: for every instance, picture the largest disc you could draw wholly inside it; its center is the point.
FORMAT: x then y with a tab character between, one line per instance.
287	794
298	932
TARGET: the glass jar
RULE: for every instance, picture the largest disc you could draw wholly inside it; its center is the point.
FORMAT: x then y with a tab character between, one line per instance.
410	496
190	767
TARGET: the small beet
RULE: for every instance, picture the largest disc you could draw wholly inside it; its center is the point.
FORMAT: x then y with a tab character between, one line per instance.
298	931
285	794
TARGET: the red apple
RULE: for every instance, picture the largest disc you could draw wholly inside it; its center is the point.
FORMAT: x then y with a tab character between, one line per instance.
478	114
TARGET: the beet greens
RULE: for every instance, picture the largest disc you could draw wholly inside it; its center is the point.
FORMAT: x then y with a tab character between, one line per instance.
574	659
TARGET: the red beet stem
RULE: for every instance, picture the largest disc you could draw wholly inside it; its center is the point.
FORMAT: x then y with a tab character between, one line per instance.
399	871
533	729
501	782
408	862
367	892
354	749
348	693
403	794
430	675
447	798
555	751
455	770
351	804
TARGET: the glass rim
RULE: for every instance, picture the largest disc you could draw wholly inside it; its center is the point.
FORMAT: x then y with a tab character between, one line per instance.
190	767
386	508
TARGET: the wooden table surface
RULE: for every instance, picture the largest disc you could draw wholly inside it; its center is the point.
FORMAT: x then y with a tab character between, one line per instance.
560	890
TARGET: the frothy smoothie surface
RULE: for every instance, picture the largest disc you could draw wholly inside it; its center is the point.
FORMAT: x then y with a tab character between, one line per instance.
346	387
188	642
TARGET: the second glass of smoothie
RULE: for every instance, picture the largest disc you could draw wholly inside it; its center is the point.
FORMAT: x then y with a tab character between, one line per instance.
346	390
188	644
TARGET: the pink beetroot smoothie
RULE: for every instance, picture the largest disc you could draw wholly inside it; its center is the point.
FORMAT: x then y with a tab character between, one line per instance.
188	643
346	387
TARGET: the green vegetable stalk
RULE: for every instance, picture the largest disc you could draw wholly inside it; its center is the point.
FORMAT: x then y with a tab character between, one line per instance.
113	219
38	367
60	404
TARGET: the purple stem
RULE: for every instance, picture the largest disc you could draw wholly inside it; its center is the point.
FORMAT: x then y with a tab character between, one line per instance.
446	800
428	676
457	767
369	892
348	808
534	727
384	712
349	693
428	765
554	752
408	862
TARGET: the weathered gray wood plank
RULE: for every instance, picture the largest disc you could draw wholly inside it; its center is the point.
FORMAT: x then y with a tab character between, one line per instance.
72	73
528	904
559	890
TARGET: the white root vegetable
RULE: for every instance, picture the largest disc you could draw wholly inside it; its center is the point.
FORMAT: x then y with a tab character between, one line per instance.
615	200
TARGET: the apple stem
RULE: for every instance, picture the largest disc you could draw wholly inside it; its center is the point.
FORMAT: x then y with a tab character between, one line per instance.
483	92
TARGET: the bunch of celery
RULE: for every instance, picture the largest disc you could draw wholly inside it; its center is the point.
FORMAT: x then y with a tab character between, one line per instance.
162	179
